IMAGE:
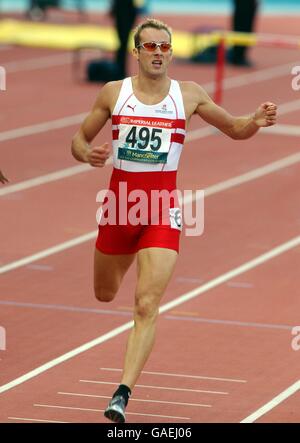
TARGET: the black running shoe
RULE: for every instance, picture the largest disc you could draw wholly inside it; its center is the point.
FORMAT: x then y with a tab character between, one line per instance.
116	409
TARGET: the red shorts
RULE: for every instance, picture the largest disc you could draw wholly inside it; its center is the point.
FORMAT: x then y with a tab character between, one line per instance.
130	239
127	238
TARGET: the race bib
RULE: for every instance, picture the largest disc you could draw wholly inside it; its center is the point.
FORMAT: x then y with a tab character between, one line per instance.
145	144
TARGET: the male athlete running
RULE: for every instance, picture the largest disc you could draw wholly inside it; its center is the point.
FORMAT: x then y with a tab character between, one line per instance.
149	114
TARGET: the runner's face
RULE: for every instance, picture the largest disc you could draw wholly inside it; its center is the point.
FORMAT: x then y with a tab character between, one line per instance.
156	62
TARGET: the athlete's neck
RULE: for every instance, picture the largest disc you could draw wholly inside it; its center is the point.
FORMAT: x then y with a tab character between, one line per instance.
154	86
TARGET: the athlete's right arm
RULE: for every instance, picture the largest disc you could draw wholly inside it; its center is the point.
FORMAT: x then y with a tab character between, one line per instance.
91	126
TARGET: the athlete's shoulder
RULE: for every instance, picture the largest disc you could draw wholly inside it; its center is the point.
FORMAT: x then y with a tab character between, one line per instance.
111	89
190	87
108	94
192	91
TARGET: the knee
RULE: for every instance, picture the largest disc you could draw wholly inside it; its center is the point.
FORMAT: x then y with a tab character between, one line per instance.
146	307
103	294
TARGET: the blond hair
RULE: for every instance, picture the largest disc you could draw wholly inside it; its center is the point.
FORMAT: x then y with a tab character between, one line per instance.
150	23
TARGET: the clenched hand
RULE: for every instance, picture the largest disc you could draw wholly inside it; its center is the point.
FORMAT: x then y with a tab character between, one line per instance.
98	155
265	115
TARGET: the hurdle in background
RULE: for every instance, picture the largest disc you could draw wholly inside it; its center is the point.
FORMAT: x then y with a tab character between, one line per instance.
234	38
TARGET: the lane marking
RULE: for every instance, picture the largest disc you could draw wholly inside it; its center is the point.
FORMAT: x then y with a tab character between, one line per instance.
251	264
44	268
39	128
49	178
272	403
283	129
286	108
75	394
47	252
211	190
253	175
258	76
102	410
66	308
228	322
168	374
156	387
236	284
36	63
36	419
43	179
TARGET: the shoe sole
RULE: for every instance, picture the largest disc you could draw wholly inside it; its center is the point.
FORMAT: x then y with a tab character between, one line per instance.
114	416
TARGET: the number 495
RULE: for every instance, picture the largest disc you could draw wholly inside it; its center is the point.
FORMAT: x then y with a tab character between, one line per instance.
144	138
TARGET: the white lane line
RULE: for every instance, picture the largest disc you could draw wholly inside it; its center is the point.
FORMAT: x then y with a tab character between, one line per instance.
283	129
102	410
237	284
263	258
273	403
211	190
156	387
65	308
47	178
259	76
252	175
39	128
227	322
38	63
168	374
205	131
286	108
36	420
251	264
75	394
47	252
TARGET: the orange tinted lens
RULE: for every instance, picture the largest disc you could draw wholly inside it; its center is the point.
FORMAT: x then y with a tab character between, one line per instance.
150	46
165	47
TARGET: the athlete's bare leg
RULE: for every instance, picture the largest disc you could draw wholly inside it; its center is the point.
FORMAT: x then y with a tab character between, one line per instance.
155	267
109	271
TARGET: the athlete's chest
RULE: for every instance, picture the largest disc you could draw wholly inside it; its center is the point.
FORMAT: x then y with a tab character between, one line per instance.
145	132
166	108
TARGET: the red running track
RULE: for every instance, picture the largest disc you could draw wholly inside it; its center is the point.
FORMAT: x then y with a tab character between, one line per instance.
224	352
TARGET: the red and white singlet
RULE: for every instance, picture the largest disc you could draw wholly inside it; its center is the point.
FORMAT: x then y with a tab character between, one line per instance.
147	143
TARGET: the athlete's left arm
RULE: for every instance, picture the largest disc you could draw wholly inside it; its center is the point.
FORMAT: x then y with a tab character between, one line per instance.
238	128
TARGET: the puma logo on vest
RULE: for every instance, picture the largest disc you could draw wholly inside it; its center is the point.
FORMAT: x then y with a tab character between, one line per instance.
131	107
